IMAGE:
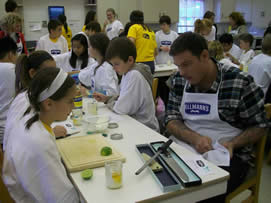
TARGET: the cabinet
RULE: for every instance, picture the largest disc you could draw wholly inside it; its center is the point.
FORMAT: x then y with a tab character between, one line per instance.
153	9
90	5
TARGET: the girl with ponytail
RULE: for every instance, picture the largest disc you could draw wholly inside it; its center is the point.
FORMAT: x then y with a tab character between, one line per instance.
26	68
33	171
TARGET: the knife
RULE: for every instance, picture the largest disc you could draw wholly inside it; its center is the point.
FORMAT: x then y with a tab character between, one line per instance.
161	149
67	135
176	168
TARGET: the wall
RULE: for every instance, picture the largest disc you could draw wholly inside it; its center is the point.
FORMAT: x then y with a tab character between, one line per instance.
35	12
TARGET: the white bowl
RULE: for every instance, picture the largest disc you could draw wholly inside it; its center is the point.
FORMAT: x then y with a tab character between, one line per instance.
95	123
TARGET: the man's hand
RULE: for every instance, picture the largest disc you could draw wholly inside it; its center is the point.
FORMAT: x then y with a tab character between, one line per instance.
203	144
100	97
229	146
60	131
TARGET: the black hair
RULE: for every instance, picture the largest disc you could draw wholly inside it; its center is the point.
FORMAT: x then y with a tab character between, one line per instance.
121	47
94	26
10	6
53	24
40	82
90	17
165	19
226	38
208	14
189	41
62	18
7	45
25	63
246	37
84	56
137	17
100	42
266	44
267	31
124	33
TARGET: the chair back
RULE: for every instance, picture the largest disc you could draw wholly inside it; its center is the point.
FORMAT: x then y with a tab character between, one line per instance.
154	87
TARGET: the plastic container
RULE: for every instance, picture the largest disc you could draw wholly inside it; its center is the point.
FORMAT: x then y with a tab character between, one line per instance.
94	124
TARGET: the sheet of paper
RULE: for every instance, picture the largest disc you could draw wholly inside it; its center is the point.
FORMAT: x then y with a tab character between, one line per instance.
68	125
198	164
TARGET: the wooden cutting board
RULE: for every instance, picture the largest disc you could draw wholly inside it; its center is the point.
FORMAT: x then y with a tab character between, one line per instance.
83	152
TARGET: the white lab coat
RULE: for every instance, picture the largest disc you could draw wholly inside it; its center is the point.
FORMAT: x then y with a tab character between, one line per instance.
211	36
63	62
112	29
46	44
7	92
235	51
32	170
136	99
104	79
227	62
15	112
163	39
260	70
246	57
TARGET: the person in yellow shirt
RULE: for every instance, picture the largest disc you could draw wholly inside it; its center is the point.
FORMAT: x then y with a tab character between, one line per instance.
66	30
91	16
143	38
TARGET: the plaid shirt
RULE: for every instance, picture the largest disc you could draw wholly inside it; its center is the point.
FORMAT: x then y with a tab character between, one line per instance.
240	100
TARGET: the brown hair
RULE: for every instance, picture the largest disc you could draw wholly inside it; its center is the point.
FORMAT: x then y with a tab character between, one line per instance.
202	24
216	50
238	18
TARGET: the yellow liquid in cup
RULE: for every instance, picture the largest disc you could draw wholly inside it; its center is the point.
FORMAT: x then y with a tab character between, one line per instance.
116	177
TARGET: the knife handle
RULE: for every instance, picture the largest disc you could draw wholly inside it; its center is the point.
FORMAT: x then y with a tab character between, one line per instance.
164	147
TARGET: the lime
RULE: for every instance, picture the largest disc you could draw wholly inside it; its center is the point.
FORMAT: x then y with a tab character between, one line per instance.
87	174
106	151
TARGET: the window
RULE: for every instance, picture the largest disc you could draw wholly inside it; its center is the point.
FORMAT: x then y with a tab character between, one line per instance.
189	11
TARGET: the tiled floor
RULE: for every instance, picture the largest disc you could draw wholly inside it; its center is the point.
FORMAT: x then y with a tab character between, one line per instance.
265	187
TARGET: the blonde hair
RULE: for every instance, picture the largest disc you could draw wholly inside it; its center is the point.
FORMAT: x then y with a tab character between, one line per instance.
9	21
215	49
202	25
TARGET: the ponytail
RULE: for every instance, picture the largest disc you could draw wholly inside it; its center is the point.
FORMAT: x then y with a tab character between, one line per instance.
32	120
21	73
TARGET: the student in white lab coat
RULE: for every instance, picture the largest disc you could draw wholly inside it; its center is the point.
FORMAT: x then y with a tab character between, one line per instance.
112	26
8	57
164	39
229	47
247	55
260	66
100	76
215	49
78	58
205	28
135	97
26	68
53	42
32	169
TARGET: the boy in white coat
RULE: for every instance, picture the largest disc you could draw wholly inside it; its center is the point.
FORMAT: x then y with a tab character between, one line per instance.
135	98
53	42
8	57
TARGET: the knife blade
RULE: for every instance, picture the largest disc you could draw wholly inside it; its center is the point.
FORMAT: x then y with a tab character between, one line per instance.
176	168
161	149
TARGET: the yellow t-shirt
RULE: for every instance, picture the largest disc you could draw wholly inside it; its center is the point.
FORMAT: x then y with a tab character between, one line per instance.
68	36
144	41
84	28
